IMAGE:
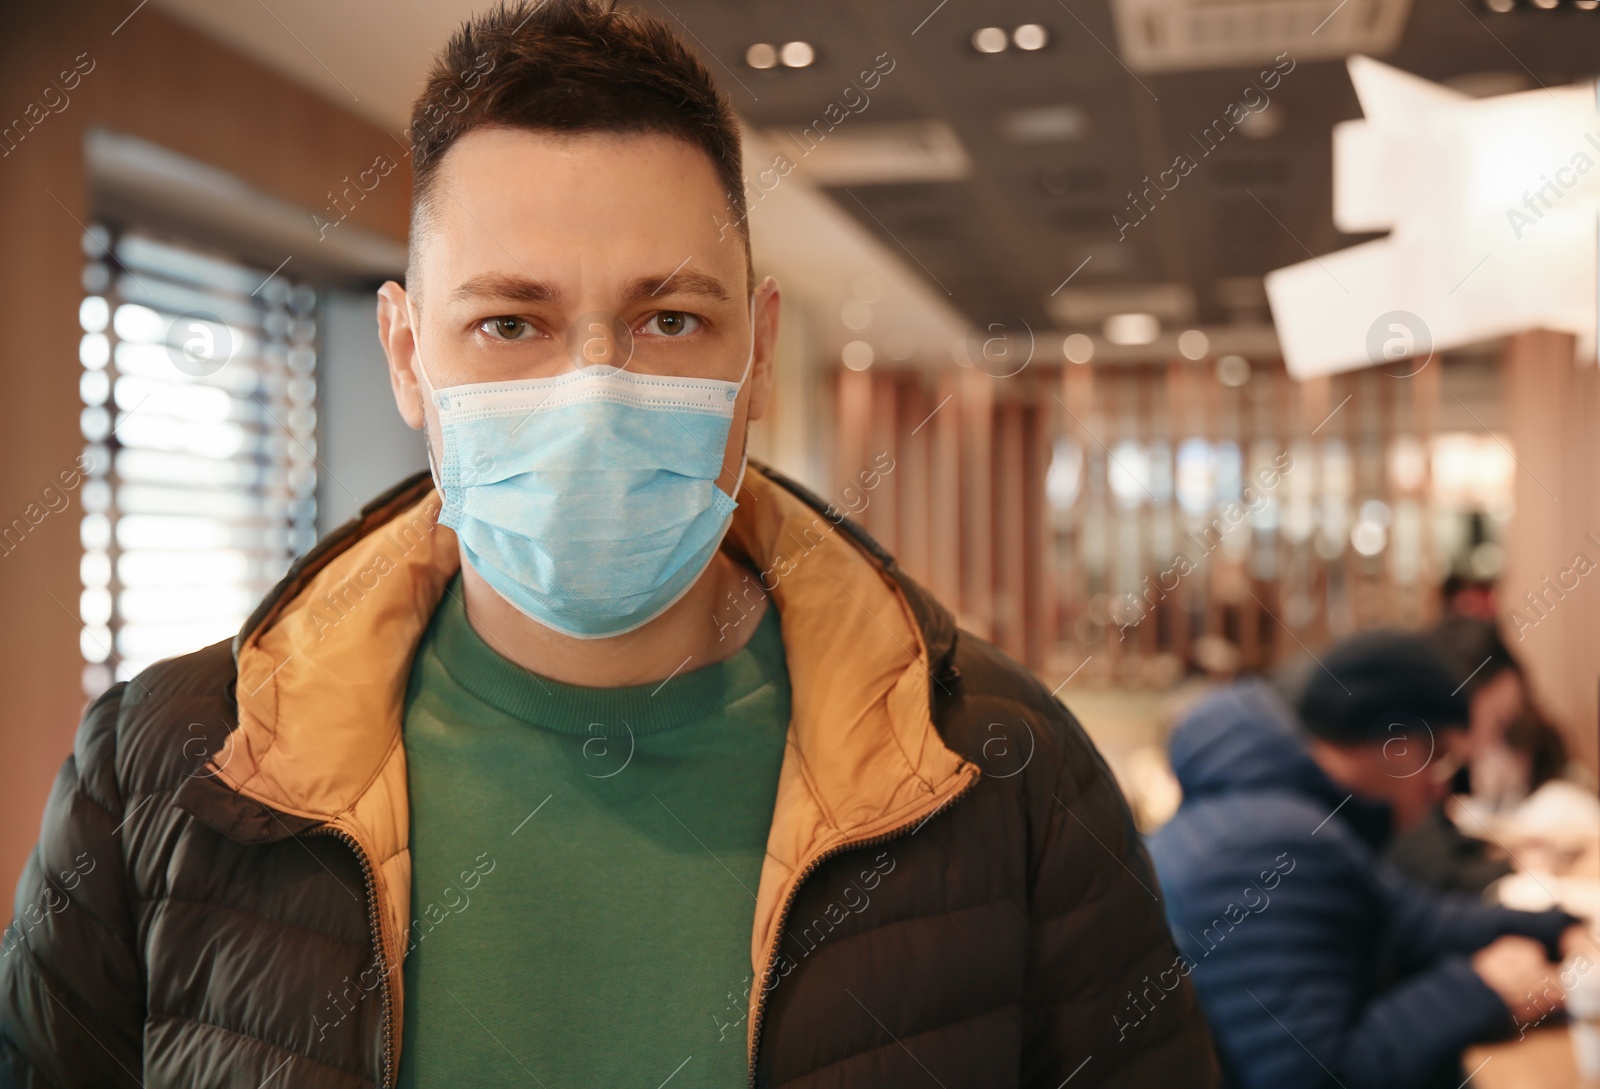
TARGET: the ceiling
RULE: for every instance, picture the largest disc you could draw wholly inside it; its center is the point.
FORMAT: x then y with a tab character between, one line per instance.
1020	230
1003	239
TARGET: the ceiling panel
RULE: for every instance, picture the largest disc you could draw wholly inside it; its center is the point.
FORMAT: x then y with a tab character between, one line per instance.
1000	241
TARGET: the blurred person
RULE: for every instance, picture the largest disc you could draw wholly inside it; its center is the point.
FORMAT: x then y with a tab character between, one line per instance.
1510	749
1316	963
1491	678
1460	595
651	767
1449	849
1435	851
1537	747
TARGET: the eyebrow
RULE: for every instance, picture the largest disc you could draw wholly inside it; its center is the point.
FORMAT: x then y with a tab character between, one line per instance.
527	290
679	281
516	288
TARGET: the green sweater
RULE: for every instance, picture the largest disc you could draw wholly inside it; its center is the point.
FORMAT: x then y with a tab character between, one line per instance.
584	866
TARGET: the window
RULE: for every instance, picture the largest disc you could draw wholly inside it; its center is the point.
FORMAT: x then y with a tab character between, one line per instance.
198	387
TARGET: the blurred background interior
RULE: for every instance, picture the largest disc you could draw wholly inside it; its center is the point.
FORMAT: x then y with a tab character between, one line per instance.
1000	282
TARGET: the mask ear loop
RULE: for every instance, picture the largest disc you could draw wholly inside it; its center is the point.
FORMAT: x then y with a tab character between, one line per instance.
428	395
749	366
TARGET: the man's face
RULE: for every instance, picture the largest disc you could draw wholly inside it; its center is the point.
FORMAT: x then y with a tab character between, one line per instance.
1410	770
544	253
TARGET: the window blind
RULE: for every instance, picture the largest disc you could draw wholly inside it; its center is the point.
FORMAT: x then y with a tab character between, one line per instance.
198	382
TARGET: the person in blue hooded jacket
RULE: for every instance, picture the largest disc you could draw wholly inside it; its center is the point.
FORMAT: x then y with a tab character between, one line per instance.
1315	962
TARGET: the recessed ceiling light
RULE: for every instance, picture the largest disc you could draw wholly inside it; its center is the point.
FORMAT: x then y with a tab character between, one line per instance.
1048	124
991	39
797	54
761	55
1077	348
857	355
1501	6
1262	124
1030	36
1132	328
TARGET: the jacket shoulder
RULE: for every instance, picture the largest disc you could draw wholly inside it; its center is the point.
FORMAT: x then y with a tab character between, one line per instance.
1213	847
1251	818
995	712
171	717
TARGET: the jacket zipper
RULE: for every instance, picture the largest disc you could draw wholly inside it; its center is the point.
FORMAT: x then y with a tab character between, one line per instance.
794	890
375	920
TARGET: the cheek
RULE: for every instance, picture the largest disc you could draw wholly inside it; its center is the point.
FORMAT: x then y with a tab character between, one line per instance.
1508	701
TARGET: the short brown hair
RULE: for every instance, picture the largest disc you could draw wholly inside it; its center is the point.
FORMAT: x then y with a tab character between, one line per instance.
572	66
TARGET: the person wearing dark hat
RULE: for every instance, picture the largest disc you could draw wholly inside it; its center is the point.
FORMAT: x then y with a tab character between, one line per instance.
1315	962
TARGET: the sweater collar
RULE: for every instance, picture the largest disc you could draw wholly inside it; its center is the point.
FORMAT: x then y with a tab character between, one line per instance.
688	695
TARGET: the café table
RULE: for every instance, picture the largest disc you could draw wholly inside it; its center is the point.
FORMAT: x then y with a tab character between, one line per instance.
1541	1060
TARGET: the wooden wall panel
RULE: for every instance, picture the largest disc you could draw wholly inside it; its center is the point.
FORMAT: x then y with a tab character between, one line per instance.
883	513
944	543
975	408
1553	412
1008	529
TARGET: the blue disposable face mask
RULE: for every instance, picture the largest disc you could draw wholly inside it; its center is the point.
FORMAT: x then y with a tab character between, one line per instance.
588	500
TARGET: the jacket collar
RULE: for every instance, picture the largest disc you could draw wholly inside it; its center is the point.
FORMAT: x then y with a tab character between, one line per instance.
323	662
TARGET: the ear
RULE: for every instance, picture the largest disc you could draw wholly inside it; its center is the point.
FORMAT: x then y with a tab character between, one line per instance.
768	300
400	347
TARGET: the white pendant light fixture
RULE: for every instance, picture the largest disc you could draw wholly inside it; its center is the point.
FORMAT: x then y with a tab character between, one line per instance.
1491	207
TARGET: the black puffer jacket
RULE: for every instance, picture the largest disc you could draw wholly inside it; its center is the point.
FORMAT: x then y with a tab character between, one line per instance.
223	867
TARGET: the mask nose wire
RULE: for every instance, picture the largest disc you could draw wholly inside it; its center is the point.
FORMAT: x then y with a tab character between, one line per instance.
422	370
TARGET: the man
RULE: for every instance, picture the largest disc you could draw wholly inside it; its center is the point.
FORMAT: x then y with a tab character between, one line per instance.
642	767
1316	964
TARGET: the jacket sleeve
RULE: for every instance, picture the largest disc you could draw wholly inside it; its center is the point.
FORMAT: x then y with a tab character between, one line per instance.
1108	999
1289	989
1429	925
71	990
1406	1033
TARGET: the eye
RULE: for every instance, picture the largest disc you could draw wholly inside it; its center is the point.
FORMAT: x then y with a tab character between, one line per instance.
506	327
672	323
